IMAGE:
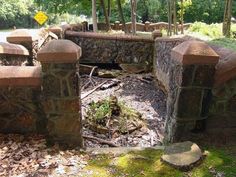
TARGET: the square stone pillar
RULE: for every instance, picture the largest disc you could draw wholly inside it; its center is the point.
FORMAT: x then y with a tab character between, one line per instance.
191	81
61	92
12	54
32	40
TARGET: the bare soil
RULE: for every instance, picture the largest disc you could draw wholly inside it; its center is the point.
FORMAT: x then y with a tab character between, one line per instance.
139	92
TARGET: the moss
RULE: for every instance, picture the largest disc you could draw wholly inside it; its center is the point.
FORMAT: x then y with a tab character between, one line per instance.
147	163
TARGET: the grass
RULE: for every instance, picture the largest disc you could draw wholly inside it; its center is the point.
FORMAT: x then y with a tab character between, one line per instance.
147	163
224	42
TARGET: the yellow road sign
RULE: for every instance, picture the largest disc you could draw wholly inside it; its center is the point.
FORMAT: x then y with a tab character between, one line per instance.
40	17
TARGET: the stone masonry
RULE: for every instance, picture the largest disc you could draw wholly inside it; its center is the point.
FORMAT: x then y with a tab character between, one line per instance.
113	49
61	91
12	54
187	77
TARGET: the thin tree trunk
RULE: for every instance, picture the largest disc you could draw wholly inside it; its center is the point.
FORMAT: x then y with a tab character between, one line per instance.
227	18
133	15
182	16
169	33
94	16
121	15
105	14
175	17
109	8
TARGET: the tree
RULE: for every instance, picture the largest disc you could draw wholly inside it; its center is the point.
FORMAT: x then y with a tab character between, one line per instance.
94	16
121	15
133	15
227	18
105	14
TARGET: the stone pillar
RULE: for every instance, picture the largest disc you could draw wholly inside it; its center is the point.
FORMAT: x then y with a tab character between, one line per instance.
117	25
147	24
23	37
189	93
61	92
12	54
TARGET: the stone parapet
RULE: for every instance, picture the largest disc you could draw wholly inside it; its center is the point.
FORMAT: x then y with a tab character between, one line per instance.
12	54
187	75
61	91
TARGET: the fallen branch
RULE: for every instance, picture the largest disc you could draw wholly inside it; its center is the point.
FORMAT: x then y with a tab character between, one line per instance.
90	78
100	141
84	95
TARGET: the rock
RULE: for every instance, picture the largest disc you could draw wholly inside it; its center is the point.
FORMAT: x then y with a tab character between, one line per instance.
108	73
182	155
135	68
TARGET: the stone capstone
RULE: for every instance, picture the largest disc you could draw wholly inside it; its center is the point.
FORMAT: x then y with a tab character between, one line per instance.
13	49
182	155
59	51
194	52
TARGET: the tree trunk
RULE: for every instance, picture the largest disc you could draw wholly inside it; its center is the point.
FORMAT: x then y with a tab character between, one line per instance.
169	4
105	14
133	15
121	15
109	8
94	16
227	18
175	17
182	16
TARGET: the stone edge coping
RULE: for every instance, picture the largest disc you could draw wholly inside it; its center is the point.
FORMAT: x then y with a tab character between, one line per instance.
169	39
108	37
59	51
13	49
20	76
25	35
225	70
194	52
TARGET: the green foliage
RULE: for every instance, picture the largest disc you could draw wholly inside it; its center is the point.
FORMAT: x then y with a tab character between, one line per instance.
16	13
225	42
148	163
212	30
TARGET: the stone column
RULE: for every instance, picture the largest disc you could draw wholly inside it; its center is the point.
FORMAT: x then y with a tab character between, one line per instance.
147	24
12	54
189	93
61	92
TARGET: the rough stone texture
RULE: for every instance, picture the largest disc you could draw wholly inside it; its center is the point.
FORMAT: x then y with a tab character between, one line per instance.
182	155
21	110
61	92
188	80
222	115
98	48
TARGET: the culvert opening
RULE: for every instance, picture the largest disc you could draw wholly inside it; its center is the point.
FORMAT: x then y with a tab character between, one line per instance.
128	110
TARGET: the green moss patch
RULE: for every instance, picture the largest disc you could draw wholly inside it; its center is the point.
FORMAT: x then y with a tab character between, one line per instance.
147	163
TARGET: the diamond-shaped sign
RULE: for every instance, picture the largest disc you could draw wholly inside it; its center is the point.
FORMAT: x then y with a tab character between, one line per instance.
41	17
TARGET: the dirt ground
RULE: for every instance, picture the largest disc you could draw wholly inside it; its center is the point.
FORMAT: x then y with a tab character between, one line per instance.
139	92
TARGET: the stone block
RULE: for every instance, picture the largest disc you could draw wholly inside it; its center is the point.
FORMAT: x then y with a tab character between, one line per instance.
203	76
24	76
189	103
59	51
13	49
194	52
51	86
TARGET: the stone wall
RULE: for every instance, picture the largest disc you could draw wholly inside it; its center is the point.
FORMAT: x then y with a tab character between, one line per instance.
20	100
44	99
162	62
201	91
113	49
